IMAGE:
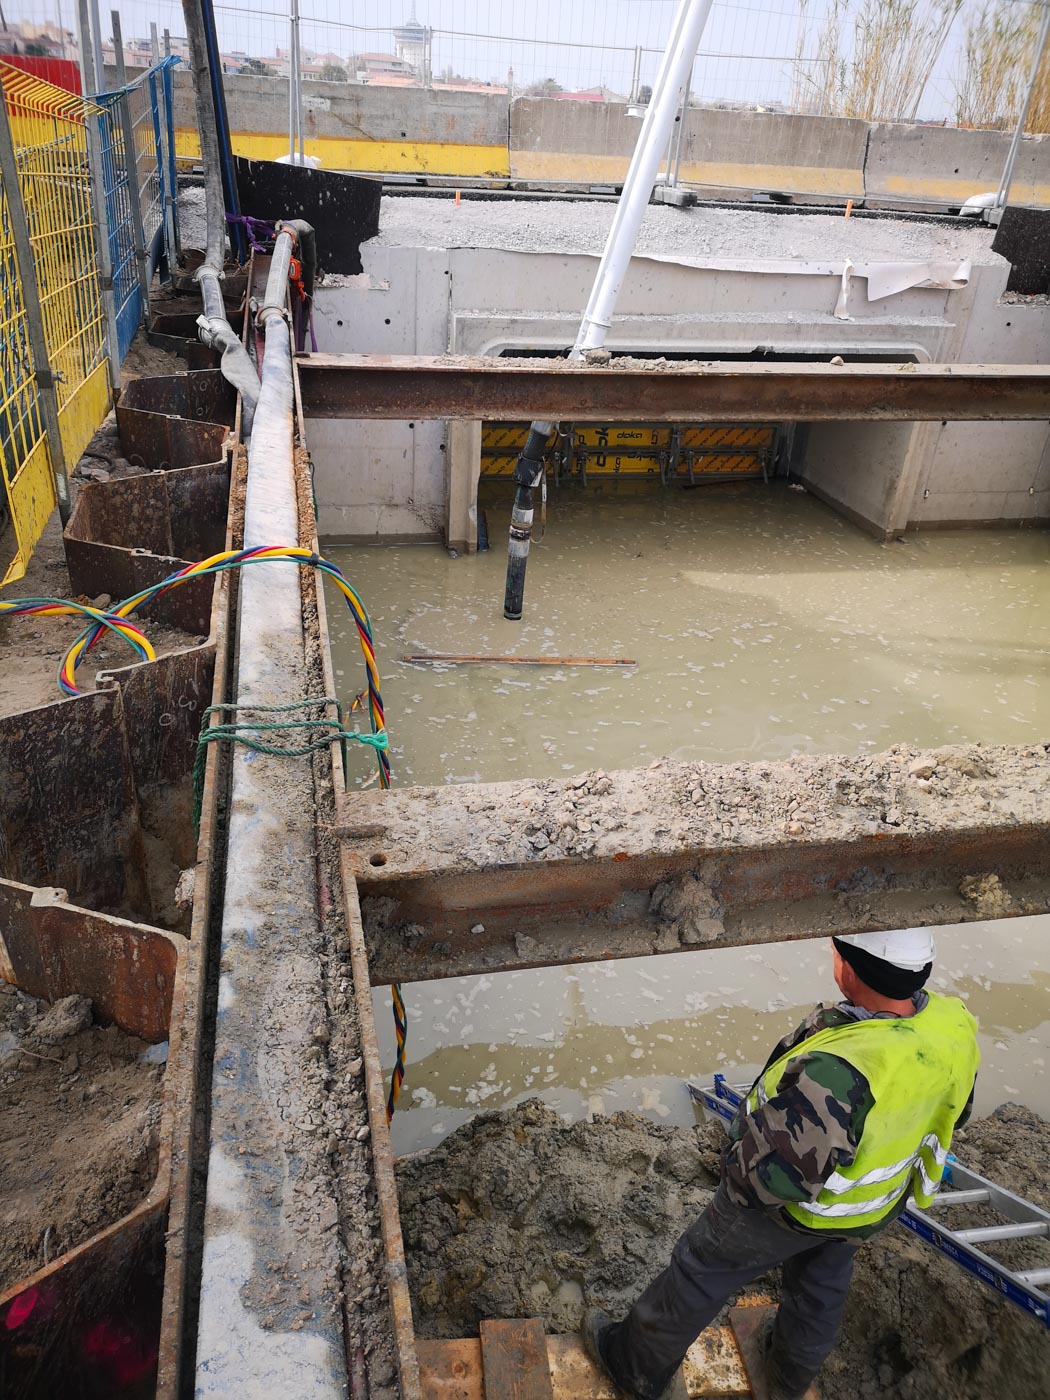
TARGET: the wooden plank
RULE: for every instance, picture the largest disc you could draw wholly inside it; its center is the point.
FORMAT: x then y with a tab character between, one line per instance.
749	1325
452	1370
514	1359
437	658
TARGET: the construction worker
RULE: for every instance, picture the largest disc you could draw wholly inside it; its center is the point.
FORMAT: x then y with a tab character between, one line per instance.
853	1113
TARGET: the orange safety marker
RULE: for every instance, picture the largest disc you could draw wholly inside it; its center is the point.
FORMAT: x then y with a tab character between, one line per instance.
457	197
849	208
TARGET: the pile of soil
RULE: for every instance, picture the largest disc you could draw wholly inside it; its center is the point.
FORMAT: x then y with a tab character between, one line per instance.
80	1108
519	1214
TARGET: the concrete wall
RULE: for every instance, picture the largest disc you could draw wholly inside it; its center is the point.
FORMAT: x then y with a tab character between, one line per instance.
479	135
910	164
594	142
378	480
351	126
858	468
988	472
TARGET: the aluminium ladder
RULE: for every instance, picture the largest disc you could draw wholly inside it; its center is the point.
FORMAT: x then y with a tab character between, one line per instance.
1024	1287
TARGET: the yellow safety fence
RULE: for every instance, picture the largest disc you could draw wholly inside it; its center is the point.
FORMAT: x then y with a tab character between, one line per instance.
50	139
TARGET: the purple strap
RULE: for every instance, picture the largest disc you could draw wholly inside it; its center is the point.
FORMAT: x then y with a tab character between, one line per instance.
265	227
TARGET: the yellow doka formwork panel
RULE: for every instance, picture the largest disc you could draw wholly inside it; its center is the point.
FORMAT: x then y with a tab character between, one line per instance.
635	449
379	157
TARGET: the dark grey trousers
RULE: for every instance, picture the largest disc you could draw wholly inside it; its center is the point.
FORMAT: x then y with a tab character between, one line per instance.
727	1248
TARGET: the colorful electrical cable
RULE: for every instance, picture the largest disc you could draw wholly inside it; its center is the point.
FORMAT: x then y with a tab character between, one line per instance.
116	620
397	1074
102	619
236	559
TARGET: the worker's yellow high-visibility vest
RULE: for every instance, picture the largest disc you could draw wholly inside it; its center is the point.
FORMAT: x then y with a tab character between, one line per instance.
920	1070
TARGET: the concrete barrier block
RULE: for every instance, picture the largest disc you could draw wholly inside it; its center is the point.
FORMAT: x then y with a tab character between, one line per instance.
815	156
359	127
945	165
578	142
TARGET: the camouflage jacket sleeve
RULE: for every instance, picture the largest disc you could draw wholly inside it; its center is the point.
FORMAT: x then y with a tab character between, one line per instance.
788	1147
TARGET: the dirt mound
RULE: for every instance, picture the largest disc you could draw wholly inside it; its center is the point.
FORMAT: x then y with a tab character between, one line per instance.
520	1214
80	1109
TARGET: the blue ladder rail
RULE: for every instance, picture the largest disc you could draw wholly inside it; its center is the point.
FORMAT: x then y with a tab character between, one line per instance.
1023	1287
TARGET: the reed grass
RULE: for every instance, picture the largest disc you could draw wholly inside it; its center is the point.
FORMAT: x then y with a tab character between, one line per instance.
874	58
995	64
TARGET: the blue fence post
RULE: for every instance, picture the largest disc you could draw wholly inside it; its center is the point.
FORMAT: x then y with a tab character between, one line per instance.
139	190
127	287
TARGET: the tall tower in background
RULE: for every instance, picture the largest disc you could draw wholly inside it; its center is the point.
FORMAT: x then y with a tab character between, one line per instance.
412	45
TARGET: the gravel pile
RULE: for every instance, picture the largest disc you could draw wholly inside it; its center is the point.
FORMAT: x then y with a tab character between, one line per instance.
703	232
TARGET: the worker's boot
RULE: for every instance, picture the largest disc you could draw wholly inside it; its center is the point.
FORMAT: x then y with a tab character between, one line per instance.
596	1325
779	1384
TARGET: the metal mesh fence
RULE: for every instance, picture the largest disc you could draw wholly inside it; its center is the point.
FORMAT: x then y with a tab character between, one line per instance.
116	187
788	55
48	132
137	181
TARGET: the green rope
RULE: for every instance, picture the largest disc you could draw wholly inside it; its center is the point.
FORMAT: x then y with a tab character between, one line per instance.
328	732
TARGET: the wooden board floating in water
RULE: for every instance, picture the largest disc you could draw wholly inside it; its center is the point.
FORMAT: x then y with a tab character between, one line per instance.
440	658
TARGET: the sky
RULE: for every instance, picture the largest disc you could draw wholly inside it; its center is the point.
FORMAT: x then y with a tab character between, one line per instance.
746	53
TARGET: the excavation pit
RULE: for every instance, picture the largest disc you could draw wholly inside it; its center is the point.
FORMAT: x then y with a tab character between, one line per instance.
81	1112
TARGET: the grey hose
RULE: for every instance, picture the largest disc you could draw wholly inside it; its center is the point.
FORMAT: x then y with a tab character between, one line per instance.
214	328
236	364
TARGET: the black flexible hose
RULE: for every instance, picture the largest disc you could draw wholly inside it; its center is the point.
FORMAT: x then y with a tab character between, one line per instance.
528	474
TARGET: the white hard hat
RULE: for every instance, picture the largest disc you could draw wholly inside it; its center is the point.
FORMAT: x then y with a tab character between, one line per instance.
909	948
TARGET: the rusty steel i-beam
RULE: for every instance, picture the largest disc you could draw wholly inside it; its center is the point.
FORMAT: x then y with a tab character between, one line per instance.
460	387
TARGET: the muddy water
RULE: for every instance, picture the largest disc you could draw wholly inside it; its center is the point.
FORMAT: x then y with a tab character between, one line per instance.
762	625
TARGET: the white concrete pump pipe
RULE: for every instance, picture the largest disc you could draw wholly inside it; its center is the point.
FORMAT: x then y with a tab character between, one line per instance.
671	81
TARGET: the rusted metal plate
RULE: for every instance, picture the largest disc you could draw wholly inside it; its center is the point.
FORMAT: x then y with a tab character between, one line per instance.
180	513
197	500
122	534
204	396
176	420
134	513
195	353
234	279
454	913
749	1326
183	324
53	949
160	442
68	809
87	1324
120	572
514	1359
450	387
405	1345
163	705
586	910
452	1370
